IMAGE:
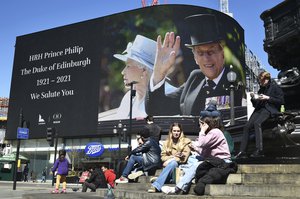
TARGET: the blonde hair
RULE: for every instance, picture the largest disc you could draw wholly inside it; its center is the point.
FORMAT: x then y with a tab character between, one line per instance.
180	144
264	75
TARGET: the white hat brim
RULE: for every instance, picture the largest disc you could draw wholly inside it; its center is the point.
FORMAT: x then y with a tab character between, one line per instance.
137	59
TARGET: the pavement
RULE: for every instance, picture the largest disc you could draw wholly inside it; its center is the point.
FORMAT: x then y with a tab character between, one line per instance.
38	190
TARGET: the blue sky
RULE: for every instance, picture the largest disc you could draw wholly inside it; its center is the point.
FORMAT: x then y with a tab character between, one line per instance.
25	17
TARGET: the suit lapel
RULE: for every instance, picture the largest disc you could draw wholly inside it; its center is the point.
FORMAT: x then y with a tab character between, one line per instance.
192	94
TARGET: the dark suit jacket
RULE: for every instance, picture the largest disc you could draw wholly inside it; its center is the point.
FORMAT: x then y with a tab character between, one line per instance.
189	99
276	98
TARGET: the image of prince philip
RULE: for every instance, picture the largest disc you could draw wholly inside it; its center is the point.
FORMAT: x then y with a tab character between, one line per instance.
207	83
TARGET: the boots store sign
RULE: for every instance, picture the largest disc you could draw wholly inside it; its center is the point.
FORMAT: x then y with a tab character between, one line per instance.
94	149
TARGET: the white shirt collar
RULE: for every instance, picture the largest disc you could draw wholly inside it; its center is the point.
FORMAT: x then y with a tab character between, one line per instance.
216	80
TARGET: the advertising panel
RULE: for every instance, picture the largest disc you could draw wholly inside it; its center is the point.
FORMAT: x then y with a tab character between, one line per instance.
77	78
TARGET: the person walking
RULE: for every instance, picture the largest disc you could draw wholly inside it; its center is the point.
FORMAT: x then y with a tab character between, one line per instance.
61	165
25	173
44	174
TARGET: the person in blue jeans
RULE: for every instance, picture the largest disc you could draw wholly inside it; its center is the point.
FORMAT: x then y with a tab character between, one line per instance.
175	151
146	155
211	142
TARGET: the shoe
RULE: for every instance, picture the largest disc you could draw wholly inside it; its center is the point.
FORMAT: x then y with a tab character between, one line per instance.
152	190
122	180
257	154
135	175
55	191
168	190
153	179
63	191
241	155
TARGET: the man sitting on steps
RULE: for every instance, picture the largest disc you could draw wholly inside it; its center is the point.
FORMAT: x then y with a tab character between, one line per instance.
149	160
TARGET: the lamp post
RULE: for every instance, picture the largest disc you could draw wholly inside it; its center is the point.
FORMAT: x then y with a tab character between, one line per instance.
116	131
231	77
132	94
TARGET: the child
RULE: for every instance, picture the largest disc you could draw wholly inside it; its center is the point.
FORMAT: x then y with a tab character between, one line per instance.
61	165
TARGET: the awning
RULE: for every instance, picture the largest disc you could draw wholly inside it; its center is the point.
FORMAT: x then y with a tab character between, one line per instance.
12	157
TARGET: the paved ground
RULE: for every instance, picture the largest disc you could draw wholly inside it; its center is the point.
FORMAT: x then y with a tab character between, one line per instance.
29	190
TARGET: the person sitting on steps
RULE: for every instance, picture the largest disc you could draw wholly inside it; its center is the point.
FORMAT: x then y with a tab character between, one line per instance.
267	104
175	151
149	160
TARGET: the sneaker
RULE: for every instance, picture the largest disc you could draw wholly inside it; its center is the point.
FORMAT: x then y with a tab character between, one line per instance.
135	175
55	191
194	181
152	190
153	179
168	190
257	154
241	155
63	191
122	180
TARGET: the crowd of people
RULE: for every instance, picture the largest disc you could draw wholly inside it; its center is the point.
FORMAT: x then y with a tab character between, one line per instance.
208	158
180	153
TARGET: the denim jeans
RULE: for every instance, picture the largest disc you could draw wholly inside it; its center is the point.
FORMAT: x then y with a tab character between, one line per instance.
188	176
165	175
130	164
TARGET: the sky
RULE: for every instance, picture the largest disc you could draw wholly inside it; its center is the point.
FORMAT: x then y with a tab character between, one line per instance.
24	17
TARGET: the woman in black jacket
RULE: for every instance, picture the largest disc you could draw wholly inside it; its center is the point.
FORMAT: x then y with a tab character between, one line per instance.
147	155
96	180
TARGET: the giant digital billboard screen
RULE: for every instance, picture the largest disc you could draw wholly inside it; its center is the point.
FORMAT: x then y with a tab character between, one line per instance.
78	77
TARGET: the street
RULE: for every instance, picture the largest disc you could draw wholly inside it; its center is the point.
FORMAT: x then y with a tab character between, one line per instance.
40	191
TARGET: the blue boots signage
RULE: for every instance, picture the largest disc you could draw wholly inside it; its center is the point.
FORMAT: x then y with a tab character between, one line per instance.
94	149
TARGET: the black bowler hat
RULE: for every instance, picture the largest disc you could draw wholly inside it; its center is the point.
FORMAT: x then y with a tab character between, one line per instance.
203	29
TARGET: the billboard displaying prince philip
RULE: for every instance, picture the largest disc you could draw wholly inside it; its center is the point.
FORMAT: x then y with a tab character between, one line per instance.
178	60
78	77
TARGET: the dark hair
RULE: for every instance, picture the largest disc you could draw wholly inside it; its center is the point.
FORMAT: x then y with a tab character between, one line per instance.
62	152
145	132
213	122
149	118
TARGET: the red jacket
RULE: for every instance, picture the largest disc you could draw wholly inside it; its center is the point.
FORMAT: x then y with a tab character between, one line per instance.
110	177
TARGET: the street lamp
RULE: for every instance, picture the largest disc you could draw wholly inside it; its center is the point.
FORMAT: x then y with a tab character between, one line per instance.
231	77
132	94
117	130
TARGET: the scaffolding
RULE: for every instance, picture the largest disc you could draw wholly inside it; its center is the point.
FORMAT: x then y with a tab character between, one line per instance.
153	3
253	68
224	7
3	108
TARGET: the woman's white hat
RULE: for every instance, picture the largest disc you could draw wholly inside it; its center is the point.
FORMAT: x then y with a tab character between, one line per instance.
142	50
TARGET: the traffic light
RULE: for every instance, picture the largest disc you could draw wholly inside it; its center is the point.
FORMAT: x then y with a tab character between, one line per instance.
124	135
50	136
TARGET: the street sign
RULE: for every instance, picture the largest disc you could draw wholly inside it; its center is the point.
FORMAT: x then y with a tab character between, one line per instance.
22	133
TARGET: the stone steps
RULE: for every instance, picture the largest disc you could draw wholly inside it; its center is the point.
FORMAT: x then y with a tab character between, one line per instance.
258	190
261	181
263	178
